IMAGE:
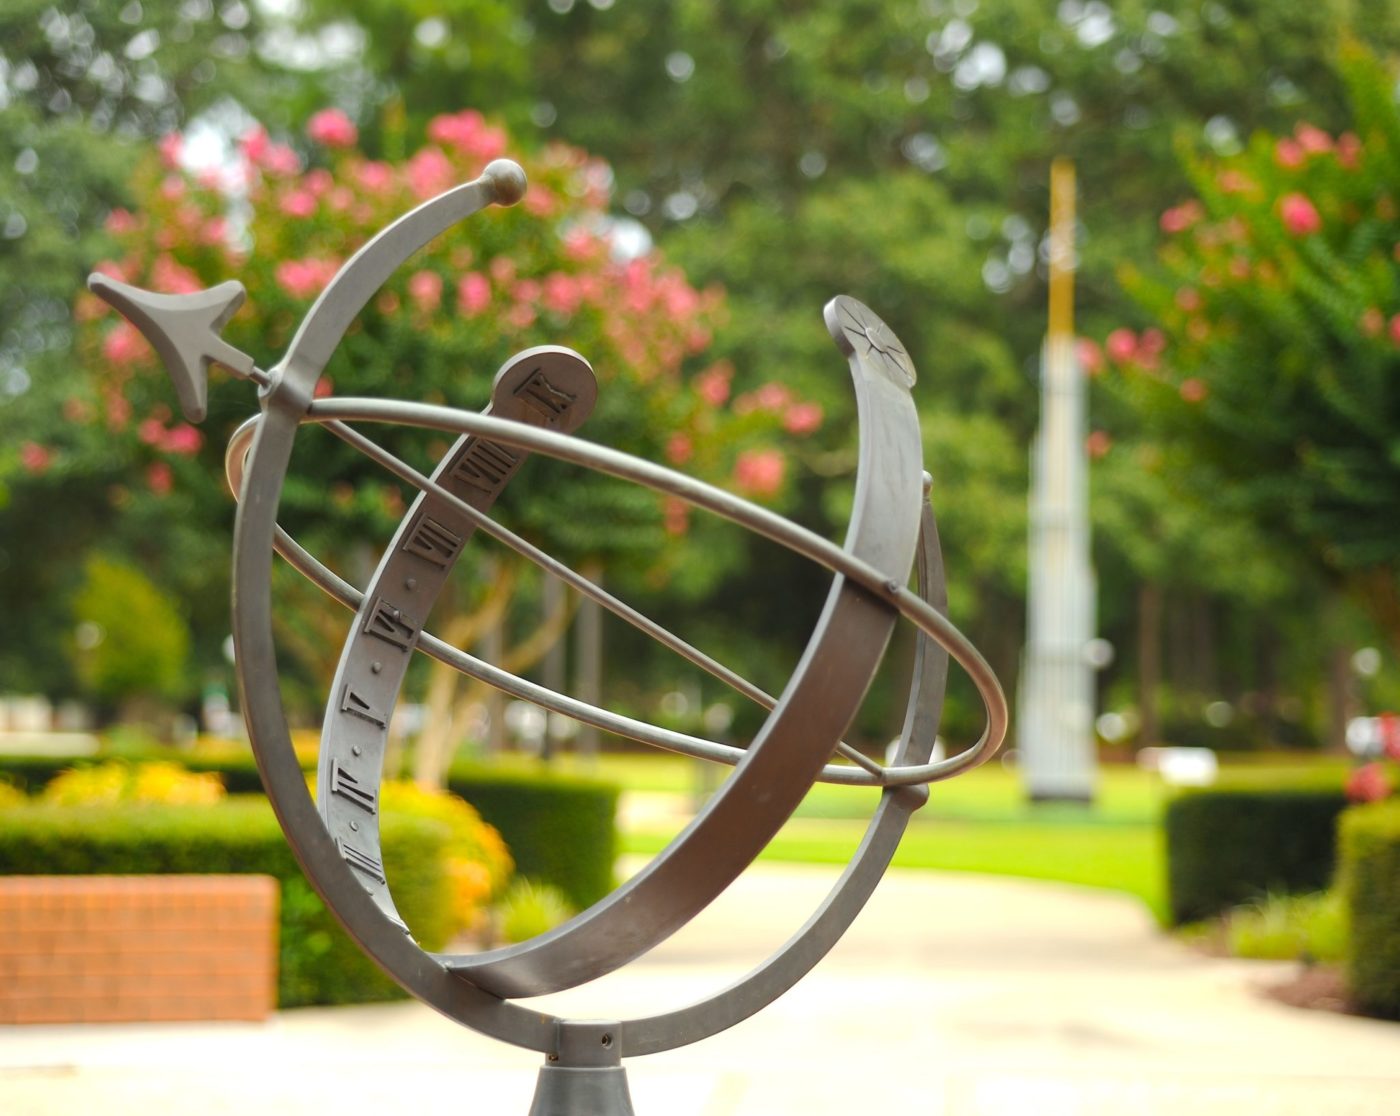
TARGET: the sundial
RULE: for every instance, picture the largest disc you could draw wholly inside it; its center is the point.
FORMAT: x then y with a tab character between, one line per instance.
540	397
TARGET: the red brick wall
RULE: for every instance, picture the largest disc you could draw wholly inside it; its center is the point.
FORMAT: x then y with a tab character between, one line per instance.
122	948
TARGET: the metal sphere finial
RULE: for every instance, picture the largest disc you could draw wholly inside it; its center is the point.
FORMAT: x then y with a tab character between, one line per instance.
507	179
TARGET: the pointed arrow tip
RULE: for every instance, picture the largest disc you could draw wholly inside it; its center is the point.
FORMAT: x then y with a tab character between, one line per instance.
184	330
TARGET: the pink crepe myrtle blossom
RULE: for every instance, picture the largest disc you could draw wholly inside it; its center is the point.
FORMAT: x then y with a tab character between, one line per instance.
1348	151
473	293
183	440
1121	346
332	128
254	144
1299	215
675	516
299	204
425	288
539	202
123	344
1097	444
1235	182
1193	390
760	472
1312	140
1089	354
1368	783
1289	154
374	177
802	418
561	294
429	172
521	316
117	408
303	278
35	458
454	129
280	160
1181	217
679	448
1395	330
120	221
503	270
712	385
159	478
151	431
171	147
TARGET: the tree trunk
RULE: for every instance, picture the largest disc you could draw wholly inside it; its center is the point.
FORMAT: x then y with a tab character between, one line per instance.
588	660
1339	697
1149	661
553	600
438	739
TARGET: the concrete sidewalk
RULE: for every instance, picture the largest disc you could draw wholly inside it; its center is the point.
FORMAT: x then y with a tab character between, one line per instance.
951	994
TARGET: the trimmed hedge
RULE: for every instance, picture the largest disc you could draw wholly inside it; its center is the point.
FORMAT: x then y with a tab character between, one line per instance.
1369	877
561	830
33	773
318	962
1227	845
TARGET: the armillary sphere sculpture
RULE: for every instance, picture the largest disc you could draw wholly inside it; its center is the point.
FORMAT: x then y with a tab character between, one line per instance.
538	399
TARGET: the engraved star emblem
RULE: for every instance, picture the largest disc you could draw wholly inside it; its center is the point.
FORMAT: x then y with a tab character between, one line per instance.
869	336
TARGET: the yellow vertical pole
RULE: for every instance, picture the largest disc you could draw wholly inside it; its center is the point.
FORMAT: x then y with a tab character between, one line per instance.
1061	251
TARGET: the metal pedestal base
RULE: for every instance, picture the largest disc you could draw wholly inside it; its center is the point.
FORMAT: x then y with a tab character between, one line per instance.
583	1075
582	1091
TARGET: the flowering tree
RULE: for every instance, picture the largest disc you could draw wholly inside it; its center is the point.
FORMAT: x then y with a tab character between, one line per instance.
283	220
1276	358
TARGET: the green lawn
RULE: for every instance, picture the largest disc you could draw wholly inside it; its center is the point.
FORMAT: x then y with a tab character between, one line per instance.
979	822
1125	858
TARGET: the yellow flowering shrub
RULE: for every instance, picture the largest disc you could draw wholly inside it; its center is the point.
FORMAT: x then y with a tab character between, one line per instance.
478	863
119	782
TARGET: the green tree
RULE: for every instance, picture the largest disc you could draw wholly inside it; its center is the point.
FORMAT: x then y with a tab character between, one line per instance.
544	271
131	644
1279	299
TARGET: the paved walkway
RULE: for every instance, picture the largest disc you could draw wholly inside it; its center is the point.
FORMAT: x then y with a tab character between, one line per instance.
951	995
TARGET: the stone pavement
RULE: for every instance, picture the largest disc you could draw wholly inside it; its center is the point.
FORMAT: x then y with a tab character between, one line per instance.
951	995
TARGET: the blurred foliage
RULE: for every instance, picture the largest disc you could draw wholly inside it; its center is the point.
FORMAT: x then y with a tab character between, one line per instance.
477	863
1232	843
1310	928
109	784
131	640
530	908
561	830
1369	880
895	150
1279	298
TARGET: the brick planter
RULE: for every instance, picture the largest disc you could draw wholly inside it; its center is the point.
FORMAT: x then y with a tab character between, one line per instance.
124	948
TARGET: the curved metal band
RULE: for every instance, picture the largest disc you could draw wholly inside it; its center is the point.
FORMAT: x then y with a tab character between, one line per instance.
347	595
255	526
848	897
547	386
798	737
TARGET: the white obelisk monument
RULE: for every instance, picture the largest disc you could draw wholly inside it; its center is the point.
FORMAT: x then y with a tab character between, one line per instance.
1055	723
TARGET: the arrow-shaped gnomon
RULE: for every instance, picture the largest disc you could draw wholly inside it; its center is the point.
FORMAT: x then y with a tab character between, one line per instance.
184	329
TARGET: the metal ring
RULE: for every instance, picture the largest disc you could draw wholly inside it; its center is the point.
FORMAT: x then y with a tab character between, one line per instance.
341	591
728	506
